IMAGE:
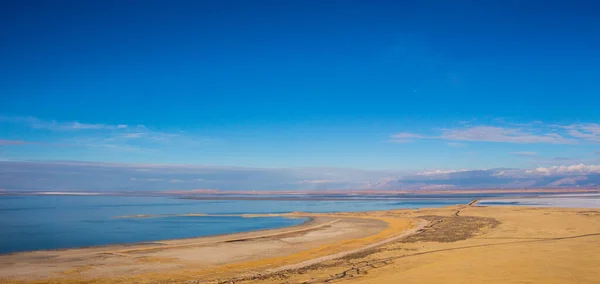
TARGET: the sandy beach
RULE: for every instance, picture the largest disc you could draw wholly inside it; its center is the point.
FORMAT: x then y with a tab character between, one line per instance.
456	244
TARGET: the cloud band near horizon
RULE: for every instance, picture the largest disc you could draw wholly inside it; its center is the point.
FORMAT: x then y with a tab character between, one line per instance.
76	176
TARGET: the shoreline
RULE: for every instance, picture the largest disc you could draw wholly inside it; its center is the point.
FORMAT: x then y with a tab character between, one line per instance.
199	252
310	221
292	215
357	246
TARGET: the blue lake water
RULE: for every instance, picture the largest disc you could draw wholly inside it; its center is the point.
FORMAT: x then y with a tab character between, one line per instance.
53	222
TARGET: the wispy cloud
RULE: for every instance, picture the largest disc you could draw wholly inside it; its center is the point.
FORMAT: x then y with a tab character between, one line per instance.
589	131
133	135
118	137
524	154
16	142
524	133
405	137
457	144
502	134
115	147
53	125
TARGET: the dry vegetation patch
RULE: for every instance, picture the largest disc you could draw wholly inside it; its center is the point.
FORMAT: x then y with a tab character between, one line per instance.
451	229
589	213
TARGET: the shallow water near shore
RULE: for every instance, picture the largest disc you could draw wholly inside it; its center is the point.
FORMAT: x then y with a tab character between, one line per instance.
55	222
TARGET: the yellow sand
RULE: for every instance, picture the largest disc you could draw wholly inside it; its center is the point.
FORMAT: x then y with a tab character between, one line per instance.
531	245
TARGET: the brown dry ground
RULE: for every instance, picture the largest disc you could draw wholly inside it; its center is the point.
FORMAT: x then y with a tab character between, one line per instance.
460	244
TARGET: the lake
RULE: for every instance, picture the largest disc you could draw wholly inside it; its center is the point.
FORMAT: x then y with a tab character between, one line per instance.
31	222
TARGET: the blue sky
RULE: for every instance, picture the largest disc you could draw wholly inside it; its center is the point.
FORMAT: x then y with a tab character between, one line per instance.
383	86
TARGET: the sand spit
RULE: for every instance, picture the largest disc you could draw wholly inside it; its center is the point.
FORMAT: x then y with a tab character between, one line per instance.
267	215
106	262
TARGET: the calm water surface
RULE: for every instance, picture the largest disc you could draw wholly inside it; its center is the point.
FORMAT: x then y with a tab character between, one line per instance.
52	222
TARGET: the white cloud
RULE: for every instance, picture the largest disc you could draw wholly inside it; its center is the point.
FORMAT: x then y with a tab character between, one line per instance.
573	169
440	172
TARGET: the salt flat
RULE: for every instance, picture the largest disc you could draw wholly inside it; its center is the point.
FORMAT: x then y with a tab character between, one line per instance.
590	200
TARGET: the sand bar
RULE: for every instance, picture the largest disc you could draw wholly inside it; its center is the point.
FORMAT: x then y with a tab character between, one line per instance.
204	253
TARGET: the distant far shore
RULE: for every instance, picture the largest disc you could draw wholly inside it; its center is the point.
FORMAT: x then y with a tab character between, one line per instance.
303	195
